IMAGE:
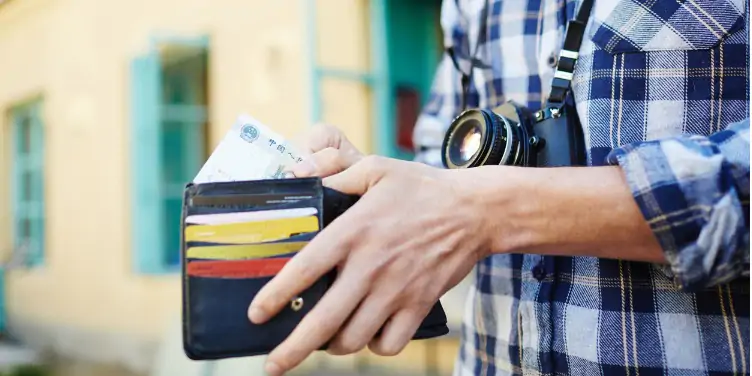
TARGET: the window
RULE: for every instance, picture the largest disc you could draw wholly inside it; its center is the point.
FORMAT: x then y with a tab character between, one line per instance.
169	146
28	182
406	47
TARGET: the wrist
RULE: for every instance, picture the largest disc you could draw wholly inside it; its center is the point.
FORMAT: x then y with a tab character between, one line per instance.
504	197
571	211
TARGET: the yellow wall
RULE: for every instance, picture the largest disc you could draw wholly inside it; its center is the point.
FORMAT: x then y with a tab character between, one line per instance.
76	54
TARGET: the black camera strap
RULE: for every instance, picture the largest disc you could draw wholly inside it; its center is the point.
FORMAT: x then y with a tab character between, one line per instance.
568	55
565	63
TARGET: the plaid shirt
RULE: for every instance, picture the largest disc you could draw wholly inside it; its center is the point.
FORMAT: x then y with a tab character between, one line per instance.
661	88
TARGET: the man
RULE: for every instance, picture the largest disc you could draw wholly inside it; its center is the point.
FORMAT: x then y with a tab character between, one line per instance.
636	265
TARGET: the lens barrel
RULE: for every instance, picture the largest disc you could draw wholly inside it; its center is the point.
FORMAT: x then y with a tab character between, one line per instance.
482	137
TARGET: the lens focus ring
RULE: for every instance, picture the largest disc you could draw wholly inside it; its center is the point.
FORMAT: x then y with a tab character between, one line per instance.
481	137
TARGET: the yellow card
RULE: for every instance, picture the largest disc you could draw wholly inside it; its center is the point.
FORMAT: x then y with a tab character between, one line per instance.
251	232
245	251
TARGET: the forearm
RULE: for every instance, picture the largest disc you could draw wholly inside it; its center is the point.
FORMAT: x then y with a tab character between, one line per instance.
565	211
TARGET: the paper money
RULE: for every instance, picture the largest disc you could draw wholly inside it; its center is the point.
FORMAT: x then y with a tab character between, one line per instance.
249	151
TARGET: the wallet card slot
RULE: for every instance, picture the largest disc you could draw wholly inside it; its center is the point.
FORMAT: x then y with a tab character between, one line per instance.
244	251
244	269
240	207
306	237
267	186
250	199
249	216
251	232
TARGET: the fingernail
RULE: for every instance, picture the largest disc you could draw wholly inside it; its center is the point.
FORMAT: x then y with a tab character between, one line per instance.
304	169
272	369
256	315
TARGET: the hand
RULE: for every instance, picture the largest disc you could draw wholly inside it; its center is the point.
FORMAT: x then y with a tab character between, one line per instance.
416	232
329	152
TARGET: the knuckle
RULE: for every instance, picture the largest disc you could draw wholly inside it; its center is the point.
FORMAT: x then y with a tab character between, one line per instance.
349	345
329	131
328	154
371	162
328	159
383	349
306	274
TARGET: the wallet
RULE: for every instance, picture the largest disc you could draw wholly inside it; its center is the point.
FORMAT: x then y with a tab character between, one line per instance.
235	237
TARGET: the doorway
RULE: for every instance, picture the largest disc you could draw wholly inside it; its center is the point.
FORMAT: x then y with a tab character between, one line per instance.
413	50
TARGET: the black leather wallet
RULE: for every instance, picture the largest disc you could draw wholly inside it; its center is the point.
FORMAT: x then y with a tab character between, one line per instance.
215	322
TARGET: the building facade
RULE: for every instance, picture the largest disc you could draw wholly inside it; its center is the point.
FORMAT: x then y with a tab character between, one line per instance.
109	107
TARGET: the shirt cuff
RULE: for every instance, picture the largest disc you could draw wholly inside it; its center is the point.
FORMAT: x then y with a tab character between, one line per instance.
686	190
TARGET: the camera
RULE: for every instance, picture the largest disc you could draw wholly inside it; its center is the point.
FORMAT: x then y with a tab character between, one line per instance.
513	135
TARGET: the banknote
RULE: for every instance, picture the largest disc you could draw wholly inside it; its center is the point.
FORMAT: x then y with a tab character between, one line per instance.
249	151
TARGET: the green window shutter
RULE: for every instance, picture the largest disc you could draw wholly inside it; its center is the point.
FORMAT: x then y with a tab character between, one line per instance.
28	182
168	99
147	222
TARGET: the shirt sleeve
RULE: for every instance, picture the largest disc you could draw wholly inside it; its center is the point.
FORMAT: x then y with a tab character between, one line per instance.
444	99
694	194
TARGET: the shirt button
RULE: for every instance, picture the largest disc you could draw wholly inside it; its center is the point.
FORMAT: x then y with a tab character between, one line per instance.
539	272
552	61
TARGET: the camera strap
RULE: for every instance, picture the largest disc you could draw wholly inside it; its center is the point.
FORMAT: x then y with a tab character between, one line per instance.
565	63
467	77
568	55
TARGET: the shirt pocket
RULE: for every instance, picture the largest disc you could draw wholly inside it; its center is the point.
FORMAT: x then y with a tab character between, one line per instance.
620	26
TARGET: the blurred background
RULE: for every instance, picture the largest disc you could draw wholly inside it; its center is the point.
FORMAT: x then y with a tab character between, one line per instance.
108	107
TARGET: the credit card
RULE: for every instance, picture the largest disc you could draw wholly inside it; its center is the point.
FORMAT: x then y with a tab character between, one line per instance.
245	251
263	215
251	232
236	269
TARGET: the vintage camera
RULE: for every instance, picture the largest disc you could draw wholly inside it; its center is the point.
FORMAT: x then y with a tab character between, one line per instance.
513	135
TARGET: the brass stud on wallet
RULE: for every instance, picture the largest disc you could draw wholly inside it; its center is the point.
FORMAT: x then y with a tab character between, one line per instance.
296	304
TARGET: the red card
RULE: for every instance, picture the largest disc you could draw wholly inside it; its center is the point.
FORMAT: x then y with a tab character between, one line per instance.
257	268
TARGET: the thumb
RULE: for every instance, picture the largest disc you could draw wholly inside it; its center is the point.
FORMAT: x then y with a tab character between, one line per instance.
359	178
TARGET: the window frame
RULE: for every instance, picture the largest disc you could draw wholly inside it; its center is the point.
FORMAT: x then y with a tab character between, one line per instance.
32	161
148	112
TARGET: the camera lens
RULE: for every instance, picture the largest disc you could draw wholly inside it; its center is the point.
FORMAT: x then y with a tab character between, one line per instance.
482	137
466	144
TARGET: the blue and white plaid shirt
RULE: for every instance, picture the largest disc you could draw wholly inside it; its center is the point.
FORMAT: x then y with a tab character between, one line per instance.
661	88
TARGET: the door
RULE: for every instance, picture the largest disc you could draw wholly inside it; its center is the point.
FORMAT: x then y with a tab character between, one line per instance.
414	47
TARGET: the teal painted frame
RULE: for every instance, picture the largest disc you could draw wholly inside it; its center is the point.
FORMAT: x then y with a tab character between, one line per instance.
378	78
318	73
375	78
36	160
147	222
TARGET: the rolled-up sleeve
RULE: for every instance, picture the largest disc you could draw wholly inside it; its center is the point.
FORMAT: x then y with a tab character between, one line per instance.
444	99
694	193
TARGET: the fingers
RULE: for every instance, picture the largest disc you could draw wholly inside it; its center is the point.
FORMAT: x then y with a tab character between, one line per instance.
359	177
326	162
362	326
398	332
319	325
322	136
321	255
319	137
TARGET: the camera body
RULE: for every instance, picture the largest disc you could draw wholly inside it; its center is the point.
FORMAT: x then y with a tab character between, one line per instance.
513	135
